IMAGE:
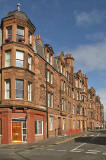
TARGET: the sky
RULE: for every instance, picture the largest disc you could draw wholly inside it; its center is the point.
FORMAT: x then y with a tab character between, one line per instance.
72	26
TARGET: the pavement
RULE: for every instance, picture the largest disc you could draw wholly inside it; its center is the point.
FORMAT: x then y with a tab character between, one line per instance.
45	142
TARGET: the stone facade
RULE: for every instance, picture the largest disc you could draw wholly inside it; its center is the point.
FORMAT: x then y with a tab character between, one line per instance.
53	100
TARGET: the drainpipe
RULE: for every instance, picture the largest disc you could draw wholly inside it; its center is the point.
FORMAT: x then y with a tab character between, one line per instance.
46	99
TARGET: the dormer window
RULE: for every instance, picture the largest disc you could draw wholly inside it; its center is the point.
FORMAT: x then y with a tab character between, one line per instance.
20	34
51	59
47	57
9	34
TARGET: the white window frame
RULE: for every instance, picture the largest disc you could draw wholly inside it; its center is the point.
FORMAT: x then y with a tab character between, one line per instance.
51	78
48	95
8	58
48	56
20	31
7	89
64	86
51	59
18	88
29	62
30	38
48	76
51	123
19	58
39	134
7	34
29	91
64	124
52	100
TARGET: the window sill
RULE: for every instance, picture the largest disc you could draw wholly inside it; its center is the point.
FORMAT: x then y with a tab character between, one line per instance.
38	134
19	99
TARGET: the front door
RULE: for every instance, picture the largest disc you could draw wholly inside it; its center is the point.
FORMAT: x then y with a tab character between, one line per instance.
16	131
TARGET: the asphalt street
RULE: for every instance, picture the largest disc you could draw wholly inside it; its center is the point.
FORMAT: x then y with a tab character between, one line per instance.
92	147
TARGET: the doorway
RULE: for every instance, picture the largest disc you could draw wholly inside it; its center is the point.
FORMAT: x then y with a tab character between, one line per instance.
19	131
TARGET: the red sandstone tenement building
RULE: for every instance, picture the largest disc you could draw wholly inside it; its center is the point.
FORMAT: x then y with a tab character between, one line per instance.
40	94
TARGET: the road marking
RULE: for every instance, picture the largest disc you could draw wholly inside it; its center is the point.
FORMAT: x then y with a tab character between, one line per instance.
91	152
76	151
78	147
50	149
104	154
67	140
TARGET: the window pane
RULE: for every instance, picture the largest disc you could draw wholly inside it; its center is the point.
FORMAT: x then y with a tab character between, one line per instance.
29	62
38	127
48	57
19	59
52	100
19	89
48	74
35	127
7	89
48	99
51	60
50	123
20	55
8	58
29	91
51	78
20	31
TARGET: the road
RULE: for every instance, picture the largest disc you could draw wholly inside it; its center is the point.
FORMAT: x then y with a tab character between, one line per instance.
91	147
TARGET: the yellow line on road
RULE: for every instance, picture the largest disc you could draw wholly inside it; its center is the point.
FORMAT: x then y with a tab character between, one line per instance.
69	139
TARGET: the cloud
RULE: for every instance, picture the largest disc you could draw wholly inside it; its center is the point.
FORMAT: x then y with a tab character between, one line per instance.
90	18
91	57
95	36
102	94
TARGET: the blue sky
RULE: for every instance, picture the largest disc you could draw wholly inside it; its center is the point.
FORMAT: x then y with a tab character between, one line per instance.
72	26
